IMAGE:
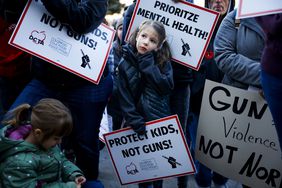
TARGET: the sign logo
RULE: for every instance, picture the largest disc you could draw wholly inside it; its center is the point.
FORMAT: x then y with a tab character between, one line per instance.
37	37
131	169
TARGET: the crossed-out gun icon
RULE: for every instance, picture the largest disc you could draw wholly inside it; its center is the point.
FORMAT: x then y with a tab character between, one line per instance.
185	48
85	60
172	161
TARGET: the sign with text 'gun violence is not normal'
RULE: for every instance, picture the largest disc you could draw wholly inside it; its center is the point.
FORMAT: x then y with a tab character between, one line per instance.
44	36
236	136
189	27
161	153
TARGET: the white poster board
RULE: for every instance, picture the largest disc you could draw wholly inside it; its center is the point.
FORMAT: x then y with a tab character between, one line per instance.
253	8
42	35
189	27
236	136
161	153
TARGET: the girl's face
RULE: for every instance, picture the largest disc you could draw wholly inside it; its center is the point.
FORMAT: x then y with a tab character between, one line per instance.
50	142
147	40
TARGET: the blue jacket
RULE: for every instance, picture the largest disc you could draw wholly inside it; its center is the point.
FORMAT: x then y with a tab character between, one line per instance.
238	51
82	17
144	88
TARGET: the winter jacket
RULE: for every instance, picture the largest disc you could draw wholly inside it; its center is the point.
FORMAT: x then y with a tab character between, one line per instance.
144	88
208	68
83	17
23	165
113	104
238	51
271	61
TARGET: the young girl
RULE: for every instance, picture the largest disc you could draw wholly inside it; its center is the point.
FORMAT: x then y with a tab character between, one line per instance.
29	155
145	77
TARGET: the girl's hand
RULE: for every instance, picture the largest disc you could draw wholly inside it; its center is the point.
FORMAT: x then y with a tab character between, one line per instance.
79	180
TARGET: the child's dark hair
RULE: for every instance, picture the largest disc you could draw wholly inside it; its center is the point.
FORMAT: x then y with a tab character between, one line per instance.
163	53
49	115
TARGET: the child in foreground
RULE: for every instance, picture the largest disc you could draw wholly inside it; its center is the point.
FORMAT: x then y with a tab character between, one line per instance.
29	152
145	79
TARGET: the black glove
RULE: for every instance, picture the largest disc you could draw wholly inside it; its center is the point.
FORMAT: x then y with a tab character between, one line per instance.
145	61
140	129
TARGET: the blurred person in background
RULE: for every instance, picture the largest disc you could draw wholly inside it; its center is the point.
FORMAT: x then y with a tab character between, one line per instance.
208	70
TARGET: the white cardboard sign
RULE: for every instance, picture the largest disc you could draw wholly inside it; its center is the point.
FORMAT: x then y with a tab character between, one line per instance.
161	153
253	8
42	35
236	136
189	27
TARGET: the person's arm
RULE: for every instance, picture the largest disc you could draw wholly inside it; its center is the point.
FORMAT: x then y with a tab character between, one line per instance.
161	80
127	104
22	172
83	17
69	171
126	21
229	61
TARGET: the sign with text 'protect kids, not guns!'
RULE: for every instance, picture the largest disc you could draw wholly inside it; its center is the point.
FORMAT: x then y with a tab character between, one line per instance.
44	36
253	8
161	153
188	27
236	136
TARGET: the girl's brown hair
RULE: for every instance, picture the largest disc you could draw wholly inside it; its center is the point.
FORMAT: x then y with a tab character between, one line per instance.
49	115
163	53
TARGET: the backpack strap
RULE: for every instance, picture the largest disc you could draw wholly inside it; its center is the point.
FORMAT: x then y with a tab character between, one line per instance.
237	23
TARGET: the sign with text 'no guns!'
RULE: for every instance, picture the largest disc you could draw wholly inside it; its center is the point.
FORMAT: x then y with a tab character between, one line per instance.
236	136
44	36
161	153
189	27
253	8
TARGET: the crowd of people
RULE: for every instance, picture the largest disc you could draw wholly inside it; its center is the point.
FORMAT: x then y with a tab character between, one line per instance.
49	134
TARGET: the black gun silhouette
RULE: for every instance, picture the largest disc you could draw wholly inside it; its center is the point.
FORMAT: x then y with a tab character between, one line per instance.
85	60
172	161
185	48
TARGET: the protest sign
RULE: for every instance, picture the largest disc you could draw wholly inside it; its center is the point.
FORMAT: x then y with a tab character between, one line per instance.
236	136
253	8
161	153
189	27
44	36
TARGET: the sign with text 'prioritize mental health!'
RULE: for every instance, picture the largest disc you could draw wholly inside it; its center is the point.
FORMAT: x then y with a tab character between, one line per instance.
189	27
44	36
236	136
161	153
